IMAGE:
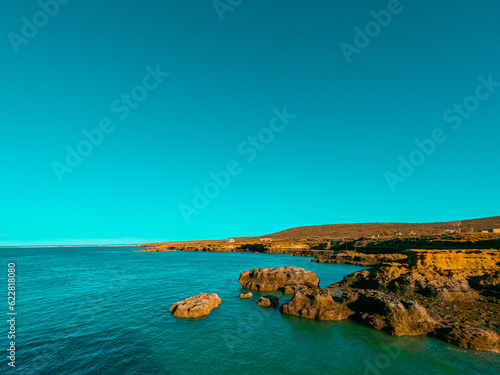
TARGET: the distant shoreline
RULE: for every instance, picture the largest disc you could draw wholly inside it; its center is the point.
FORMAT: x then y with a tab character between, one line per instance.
52	246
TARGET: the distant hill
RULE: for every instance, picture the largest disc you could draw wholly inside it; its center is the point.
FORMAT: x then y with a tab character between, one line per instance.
354	231
369	229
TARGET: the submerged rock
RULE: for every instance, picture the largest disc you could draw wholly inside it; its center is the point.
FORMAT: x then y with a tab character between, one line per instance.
246	295
196	306
270	279
268	301
320	304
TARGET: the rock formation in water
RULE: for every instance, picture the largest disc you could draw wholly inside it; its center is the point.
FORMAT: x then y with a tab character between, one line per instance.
448	294
270	279
469	336
320	304
268	301
399	317
246	295
196	306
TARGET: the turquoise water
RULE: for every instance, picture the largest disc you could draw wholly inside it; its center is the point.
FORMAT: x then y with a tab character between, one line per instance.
105	311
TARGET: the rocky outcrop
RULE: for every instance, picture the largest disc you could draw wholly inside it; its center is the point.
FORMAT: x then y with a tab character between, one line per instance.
320	304
246	295
396	316
450	295
196	306
292	289
467	336
268	301
409	282
457	289
399	317
270	279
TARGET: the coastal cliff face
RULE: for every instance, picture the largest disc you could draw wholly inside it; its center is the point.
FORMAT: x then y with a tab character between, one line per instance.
470	262
359	259
451	295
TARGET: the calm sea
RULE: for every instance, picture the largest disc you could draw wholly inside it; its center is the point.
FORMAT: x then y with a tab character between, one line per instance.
105	311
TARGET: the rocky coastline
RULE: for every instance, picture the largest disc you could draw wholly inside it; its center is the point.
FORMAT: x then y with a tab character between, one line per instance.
450	292
450	295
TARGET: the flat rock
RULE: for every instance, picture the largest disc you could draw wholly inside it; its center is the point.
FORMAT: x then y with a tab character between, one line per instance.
270	279
320	304
268	301
246	295
196	306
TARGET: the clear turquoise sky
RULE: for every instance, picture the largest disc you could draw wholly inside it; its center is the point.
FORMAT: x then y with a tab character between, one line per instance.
333	158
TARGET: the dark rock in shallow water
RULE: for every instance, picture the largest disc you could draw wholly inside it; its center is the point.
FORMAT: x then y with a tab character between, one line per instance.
469	337
399	317
320	304
268	301
270	279
196	306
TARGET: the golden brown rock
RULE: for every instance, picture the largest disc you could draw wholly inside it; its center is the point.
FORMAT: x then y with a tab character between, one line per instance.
292	289
470	337
360	259
397	316
320	304
270	279
449	294
268	301
470	262
196	306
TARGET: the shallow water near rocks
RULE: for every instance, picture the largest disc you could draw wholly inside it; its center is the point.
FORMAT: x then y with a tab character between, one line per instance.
106	311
